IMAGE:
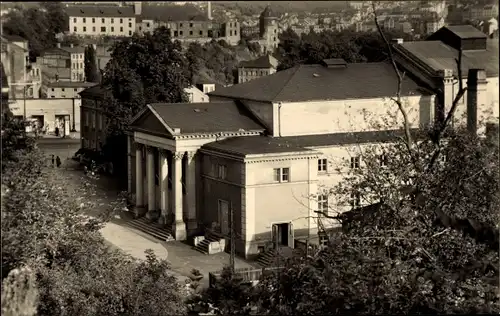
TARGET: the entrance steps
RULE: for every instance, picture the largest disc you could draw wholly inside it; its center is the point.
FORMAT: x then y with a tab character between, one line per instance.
210	243
151	228
272	257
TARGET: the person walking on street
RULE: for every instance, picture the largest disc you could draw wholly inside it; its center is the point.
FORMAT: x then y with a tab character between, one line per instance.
52	156
58	161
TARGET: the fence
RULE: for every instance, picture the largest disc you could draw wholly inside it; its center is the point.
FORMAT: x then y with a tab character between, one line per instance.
246	274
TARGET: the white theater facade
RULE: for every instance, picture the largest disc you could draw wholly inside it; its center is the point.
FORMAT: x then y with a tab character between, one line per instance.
260	149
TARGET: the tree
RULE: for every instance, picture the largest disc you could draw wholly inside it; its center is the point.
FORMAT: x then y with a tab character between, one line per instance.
38	26
72	271
142	70
427	241
91	73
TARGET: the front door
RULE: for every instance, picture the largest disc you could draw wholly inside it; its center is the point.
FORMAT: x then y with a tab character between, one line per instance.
224	217
283	235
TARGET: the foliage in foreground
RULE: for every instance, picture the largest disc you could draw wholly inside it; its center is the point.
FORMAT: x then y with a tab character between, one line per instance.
44	228
396	257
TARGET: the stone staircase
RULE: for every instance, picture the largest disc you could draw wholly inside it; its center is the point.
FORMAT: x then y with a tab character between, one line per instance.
151	228
202	243
270	257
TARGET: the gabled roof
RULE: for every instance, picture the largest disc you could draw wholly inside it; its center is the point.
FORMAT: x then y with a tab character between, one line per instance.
100	11
266	61
465	31
70	84
96	91
14	38
165	13
74	49
206	117
253	145
318	83
438	56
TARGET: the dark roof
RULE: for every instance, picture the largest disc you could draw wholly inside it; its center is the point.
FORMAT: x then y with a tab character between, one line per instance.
171	13
71	84
61	72
316	82
266	61
268	145
100	11
466	31
268	13
207	117
74	49
439	56
14	38
95	91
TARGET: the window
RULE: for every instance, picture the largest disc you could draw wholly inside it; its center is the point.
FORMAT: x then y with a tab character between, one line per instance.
129	24
93	20
323	240
63	96
222	172
112	29
235	32
355	199
75	29
322	165
102	20
190	32
121	20
85	29
231	33
180	33
93	119
180	24
84	20
282	174
147	24
62	89
93	28
384	160
130	33
355	162
112	20
52	89
75	89
103	29
190	24
121	28
74	20
323	204
213	170
201	33
52	96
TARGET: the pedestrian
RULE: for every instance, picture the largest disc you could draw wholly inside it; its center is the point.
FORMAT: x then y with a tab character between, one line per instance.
58	161
52	161
57	131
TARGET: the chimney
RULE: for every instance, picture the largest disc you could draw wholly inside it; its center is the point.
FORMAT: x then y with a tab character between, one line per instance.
137	8
447	96
58	45
476	96
209	11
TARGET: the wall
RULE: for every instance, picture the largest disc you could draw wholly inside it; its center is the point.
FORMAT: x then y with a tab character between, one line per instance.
308	118
93	129
247	74
196	96
49	108
124	26
64	93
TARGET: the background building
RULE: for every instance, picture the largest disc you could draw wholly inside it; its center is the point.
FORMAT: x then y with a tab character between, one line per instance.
262	66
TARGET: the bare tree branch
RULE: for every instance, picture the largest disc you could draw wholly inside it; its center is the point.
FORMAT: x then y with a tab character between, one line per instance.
400	76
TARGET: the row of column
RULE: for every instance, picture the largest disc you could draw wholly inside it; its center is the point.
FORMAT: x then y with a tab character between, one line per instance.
179	225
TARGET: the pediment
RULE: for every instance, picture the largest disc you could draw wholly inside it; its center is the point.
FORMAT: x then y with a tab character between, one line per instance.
148	121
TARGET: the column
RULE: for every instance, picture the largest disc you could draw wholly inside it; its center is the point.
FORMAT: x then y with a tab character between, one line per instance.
163	185
179	227
139	181
191	191
129	163
151	178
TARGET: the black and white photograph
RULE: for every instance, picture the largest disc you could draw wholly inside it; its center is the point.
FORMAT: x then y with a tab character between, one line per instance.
193	158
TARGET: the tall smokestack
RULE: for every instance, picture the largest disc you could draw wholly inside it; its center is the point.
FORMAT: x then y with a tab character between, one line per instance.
476	93
209	10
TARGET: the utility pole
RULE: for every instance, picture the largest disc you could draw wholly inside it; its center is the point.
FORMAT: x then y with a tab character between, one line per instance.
232	241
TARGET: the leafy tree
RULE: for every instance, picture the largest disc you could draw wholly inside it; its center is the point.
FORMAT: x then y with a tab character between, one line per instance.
19	293
143	69
91	73
37	25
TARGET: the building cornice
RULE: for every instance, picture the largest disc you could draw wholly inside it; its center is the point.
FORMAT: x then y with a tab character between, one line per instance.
251	160
222	154
217	135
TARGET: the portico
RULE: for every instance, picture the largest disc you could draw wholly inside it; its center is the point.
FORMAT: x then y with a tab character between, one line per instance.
166	188
164	164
